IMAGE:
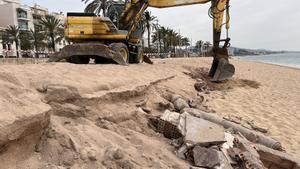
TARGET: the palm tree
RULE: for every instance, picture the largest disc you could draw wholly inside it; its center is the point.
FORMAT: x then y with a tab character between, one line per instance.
13	36
25	40
96	6
4	37
164	32
37	38
156	37
148	19
199	45
53	28
185	42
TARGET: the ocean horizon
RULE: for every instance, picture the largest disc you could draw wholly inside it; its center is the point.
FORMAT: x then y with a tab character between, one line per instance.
283	59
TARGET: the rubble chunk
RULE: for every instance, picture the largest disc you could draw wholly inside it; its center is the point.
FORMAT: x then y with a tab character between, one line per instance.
249	134
272	158
180	104
203	132
201	86
147	110
162	106
181	152
246	152
171	117
174	97
204	157
224	163
169	130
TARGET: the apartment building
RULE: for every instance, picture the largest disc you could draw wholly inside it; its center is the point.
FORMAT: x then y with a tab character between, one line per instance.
1	45
26	18
38	12
13	13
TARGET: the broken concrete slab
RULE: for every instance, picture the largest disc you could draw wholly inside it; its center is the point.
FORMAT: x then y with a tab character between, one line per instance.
204	157
182	151
168	129
226	146
249	134
202	132
274	158
245	152
224	163
171	117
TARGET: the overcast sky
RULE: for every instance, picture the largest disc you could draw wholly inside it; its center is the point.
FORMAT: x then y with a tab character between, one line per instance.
268	24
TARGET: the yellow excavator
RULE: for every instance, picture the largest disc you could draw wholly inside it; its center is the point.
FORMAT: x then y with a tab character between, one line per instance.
117	36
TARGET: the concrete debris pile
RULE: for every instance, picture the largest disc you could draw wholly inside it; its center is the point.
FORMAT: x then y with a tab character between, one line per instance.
208	141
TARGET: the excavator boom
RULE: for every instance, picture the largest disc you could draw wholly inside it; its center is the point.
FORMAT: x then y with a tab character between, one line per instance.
172	3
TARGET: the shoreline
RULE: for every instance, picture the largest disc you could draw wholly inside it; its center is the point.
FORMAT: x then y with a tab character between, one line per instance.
273	64
285	59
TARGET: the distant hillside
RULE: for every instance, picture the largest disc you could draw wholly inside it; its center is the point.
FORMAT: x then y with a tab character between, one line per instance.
244	52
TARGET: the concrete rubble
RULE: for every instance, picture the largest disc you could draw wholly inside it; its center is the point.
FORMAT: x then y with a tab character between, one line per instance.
206	157
202	132
206	143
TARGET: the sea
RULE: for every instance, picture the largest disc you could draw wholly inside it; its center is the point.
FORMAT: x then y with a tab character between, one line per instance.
284	59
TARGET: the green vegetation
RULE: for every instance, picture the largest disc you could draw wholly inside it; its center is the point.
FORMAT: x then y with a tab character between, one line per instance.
53	29
50	33
168	39
12	35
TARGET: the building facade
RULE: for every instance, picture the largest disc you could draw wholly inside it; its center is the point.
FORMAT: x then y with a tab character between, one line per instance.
26	18
13	13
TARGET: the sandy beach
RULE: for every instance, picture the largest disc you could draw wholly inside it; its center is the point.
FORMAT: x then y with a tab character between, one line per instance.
112	125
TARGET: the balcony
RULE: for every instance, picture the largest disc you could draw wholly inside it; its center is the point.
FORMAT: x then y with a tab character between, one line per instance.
23	25
22	14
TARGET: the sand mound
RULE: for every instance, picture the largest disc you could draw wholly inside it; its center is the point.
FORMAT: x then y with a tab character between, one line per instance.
202	74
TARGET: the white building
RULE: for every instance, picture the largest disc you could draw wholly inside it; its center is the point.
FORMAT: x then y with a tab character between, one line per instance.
26	18
13	13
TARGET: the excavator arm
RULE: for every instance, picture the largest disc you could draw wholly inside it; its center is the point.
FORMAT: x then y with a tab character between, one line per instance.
172	3
221	69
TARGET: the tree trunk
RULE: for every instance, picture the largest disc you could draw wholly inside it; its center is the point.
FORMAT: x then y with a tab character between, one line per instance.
36	50
17	48
52	42
159	42
148	28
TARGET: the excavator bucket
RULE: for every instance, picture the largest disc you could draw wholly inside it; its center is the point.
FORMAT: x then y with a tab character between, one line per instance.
221	69
86	50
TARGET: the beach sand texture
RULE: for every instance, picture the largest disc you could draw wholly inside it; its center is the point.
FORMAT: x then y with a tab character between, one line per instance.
270	97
